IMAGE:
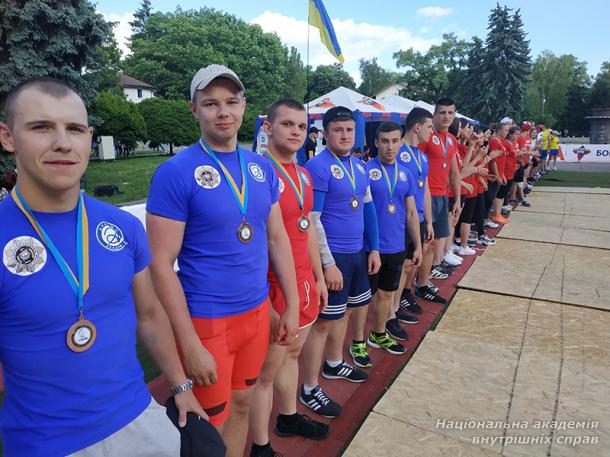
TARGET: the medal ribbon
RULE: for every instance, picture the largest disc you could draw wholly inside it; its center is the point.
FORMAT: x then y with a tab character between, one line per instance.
417	160
280	167
241	196
390	185
443	146
352	177
79	285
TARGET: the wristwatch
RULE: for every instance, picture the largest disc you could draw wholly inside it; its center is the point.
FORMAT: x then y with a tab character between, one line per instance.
188	385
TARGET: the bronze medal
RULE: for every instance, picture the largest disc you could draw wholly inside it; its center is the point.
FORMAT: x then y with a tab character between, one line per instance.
303	223
444	164
420	182
81	335
354	203
391	208
245	232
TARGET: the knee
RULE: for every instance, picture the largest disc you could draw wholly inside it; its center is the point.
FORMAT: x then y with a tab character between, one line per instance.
240	403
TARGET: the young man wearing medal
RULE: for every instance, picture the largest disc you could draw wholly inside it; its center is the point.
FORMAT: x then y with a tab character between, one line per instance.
440	150
74	285
418	128
392	188
286	128
215	208
343	214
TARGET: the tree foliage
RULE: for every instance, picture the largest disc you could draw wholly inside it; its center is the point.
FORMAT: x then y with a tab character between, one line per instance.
118	118
295	84
374	77
326	78
600	92
168	122
140	17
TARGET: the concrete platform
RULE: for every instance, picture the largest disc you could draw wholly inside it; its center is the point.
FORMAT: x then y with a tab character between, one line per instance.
574	190
576	204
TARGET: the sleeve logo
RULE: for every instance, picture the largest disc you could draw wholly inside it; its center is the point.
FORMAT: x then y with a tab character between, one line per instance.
336	171
110	236
281	185
405	156
305	178
256	172
361	168
375	174
207	177
24	256
436	140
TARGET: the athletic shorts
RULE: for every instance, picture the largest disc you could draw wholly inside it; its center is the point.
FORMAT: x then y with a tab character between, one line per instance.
534	162
440	216
409	244
388	276
542	153
519	174
356	289
554	152
309	300
504	189
239	346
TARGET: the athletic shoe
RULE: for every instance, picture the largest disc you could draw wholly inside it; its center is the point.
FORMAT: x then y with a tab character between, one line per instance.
345	371
529	186
438	273
526	191
455	257
405	317
386	342
447	268
490	224
451	259
427	293
432	287
554	167
507	208
301	425
500	219
266	451
466	251
319	403
395	330
526	203
359	355
472	238
408	303
487	241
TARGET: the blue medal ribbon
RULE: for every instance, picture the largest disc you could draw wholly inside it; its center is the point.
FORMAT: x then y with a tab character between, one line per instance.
352	177
417	160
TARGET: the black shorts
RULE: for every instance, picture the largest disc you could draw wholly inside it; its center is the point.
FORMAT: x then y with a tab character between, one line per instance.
388	276
504	189
519	175
409	244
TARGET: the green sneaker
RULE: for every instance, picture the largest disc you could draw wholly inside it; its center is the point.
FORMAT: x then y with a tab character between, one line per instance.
386	342
359	355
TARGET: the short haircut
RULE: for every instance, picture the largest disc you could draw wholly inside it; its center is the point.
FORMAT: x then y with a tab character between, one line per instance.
444	101
454	128
386	127
417	116
313	130
287	102
514	130
51	86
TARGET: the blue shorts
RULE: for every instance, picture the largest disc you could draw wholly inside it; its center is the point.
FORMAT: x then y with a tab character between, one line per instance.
440	216
554	152
542	153
356	288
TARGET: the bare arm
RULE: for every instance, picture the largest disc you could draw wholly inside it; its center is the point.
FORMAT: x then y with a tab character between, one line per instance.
456	182
428	212
316	265
413	227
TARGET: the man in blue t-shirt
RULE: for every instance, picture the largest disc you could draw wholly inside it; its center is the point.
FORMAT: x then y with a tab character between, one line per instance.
214	207
392	188
68	316
343	214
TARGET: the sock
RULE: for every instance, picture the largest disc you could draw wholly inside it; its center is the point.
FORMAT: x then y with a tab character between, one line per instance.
379	335
288	419
334	363
258	447
307	389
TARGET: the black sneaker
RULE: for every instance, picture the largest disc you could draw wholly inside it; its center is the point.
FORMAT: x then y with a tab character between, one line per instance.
526	203
408	302
437	273
405	317
359	355
448	268
319	403
427	294
395	330
344	371
301	425
385	341
264	451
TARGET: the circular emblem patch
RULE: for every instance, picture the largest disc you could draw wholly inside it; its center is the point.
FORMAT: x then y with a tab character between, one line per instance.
305	179
256	172
24	255
436	140
207	177
361	168
405	156
110	236
375	174
336	171
281	185
402	176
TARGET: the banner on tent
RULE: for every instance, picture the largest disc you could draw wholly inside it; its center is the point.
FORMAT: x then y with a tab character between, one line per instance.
586	152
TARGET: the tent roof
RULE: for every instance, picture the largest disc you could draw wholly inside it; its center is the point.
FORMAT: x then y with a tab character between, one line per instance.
351	99
398	103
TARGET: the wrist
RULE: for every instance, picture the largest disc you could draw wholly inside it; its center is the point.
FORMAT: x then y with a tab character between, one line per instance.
184	387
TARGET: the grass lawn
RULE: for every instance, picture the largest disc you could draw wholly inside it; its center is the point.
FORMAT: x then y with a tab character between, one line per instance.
575	179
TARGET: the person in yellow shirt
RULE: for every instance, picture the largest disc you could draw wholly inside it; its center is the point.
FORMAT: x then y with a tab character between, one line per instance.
553	142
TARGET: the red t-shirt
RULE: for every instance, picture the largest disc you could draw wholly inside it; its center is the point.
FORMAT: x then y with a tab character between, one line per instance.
437	175
511	160
462	149
525	142
495	144
478	187
291	212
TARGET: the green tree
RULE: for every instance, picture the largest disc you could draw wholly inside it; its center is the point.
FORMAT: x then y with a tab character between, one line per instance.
118	118
104	73
295	84
374	77
140	17
578	106
50	38
168	122
472	101
600	92
326	78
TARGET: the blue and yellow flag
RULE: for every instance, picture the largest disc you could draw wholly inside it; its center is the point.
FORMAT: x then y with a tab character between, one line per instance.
318	17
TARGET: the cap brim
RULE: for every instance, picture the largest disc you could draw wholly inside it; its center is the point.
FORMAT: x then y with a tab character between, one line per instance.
203	84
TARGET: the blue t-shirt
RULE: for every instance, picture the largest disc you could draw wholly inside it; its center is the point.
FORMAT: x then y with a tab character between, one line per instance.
220	275
59	401
344	227
391	226
406	160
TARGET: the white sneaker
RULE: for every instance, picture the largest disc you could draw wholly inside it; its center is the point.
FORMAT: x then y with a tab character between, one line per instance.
490	224
507	208
454	248
466	251
452	259
555	168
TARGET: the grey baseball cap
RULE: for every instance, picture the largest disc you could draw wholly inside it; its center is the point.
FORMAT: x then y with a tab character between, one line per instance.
208	74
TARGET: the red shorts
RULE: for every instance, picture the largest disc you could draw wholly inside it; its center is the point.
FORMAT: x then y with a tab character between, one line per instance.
309	300
239	345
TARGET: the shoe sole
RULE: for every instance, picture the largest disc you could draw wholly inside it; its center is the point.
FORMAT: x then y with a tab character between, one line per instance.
397	337
309	437
375	345
328	417
332	376
408	322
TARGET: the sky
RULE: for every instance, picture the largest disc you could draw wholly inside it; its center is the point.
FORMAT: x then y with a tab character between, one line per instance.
365	30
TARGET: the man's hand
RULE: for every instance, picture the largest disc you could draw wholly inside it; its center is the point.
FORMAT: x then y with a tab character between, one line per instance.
199	365
187	403
457	209
417	256
323	293
483	171
333	278
429	232
274	325
374	262
288	326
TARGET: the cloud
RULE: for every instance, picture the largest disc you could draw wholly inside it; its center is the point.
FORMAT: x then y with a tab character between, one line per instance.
434	11
122	30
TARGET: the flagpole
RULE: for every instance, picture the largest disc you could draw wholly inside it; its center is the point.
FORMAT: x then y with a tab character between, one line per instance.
307	68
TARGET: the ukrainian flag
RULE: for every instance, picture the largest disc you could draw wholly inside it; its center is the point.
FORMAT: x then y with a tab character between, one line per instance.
318	17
